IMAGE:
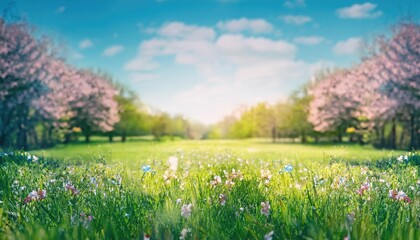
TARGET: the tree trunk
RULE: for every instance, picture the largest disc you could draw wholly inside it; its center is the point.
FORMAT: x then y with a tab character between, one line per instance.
35	138
402	138
87	135
393	136
123	136
273	133
339	135
303	136
111	137
412	132
383	135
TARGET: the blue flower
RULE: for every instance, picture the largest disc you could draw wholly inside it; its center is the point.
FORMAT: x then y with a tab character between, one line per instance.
146	168
288	168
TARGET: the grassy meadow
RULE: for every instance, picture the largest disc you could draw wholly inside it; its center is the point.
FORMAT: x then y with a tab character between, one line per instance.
227	189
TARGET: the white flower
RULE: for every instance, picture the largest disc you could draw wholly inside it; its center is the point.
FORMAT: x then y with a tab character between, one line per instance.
269	235
184	233
178	201
217	180
401	195
173	163
186	210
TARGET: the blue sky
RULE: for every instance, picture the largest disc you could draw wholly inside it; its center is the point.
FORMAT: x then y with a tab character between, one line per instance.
206	58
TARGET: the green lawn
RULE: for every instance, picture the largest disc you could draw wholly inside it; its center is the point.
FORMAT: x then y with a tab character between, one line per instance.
230	189
141	150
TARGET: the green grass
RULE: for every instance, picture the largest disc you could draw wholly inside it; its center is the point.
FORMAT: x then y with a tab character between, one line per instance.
139	151
317	199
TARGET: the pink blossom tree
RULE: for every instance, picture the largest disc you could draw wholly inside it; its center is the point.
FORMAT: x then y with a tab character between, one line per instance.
38	88
24	71
93	107
333	105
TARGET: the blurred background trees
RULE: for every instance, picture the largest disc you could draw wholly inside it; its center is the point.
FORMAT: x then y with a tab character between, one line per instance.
45	101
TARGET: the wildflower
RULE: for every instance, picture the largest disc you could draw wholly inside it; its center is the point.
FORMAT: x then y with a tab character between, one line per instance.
119	179
288	168
35	195
168	175
229	183
178	201
42	193
234	174
71	188
269	236
403	197
365	186
186	210
184	233
146	237
364	170
392	194
266	176
146	168
400	195
402	158
93	182
265	208
173	163
32	158
32	196
222	199
217	180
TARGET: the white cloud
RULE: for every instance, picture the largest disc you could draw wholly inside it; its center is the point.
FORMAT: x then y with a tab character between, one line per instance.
240	49
61	9
232	69
112	50
294	3
244	24
347	47
140	63
181	30
296	19
86	43
309	40
365	10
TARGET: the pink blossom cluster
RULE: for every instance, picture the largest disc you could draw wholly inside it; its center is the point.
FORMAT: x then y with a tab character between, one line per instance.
35	196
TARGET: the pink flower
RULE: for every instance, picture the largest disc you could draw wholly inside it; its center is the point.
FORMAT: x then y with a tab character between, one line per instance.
400	195
222	199
217	180
34	196
71	188
186	210
265	208
364	187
